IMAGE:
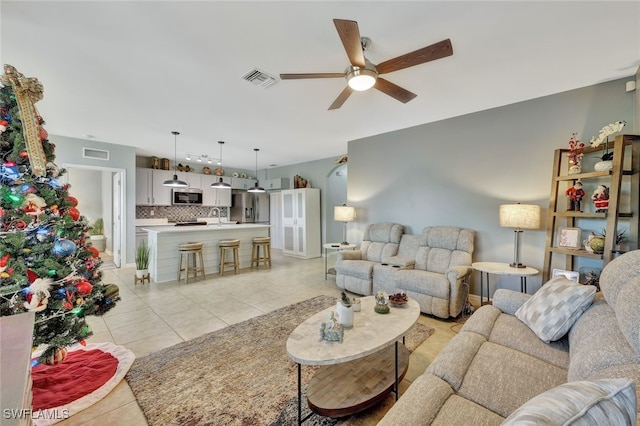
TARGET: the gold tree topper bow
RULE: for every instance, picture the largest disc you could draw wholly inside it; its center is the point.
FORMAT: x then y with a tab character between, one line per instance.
28	91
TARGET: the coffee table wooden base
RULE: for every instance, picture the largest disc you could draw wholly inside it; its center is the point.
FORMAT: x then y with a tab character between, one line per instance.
343	389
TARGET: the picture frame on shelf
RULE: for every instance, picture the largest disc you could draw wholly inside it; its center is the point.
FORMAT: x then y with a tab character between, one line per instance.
572	275
570	238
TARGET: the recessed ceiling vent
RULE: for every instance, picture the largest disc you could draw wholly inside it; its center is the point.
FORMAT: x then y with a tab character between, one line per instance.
96	154
259	78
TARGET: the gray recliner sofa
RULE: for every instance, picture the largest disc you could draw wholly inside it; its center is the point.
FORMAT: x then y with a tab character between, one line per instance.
354	269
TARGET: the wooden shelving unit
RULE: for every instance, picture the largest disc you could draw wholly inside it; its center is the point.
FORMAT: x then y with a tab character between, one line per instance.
622	204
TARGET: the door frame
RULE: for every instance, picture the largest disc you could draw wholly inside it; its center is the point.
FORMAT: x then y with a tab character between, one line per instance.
118	193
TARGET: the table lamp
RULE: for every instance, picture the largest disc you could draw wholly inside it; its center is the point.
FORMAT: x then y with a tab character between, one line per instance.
519	216
344	214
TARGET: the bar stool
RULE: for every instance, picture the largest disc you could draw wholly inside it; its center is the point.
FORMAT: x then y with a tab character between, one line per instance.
232	246
192	251
265	243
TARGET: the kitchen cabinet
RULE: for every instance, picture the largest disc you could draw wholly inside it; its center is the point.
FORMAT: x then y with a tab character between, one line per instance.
241	183
301	222
193	179
149	188
215	197
276	183
623	181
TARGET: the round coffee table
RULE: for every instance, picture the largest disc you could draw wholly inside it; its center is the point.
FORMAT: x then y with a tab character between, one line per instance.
371	347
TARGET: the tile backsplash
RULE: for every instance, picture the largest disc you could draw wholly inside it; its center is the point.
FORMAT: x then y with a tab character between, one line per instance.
176	213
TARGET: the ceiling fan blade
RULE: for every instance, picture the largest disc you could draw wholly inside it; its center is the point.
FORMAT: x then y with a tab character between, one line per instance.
394	90
430	53
342	97
311	75
350	36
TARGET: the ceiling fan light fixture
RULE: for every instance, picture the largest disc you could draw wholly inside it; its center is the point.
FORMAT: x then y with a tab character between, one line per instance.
361	79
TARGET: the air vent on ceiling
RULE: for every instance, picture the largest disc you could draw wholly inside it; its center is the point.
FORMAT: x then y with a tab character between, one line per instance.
96	154
259	78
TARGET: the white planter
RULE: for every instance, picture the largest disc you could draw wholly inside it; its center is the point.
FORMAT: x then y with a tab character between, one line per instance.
142	273
99	242
345	314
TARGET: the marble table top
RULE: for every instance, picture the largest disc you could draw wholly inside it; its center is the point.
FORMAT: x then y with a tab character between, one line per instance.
370	333
497	268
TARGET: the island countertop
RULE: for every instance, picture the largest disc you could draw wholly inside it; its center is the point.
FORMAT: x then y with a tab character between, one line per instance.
165	239
170	228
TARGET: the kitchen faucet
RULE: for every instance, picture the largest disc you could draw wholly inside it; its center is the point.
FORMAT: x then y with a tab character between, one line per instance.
215	209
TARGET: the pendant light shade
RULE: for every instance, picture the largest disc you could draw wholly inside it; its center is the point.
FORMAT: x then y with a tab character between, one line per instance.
175	182
220	183
256	187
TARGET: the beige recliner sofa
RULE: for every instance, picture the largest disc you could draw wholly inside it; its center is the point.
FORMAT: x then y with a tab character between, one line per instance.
497	366
354	269
439	278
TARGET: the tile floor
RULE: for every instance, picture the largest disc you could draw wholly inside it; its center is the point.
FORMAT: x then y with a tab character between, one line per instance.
151	317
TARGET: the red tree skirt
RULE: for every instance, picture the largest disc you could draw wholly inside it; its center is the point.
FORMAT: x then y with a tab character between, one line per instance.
85	376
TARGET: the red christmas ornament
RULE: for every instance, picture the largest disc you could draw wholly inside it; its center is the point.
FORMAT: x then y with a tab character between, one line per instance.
83	342
84	288
94	251
73	212
72	200
24	154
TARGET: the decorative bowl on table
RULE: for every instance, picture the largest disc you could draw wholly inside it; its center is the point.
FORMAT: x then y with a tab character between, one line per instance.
398	299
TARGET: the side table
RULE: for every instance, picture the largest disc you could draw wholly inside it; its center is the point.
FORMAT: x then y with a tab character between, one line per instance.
497	268
336	247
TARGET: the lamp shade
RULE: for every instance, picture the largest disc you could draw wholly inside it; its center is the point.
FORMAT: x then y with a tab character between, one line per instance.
344	213
522	216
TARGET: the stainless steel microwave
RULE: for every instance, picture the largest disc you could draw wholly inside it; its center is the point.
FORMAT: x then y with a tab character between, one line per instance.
191	196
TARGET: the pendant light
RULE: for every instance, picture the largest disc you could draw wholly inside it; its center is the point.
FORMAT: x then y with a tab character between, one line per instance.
220	183
175	182
256	188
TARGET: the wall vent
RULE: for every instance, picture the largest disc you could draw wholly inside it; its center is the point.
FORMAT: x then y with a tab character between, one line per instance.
96	154
259	78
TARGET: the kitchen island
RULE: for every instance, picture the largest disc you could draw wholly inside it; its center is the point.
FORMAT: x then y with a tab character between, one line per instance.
164	241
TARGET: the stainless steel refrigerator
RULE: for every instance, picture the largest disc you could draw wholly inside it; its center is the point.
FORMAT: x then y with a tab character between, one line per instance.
247	207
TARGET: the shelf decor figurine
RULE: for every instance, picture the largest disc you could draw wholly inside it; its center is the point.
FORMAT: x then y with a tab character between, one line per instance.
575	154
575	195
332	330
600	199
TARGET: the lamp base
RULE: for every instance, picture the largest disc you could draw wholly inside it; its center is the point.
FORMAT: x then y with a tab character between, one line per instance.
517	265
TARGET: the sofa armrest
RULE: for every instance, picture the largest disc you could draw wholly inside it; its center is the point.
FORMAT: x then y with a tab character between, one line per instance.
455	273
508	301
349	255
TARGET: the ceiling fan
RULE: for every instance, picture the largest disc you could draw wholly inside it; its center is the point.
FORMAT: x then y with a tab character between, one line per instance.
362	74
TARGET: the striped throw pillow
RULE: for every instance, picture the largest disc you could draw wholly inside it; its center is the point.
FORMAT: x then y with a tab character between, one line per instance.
553	309
597	402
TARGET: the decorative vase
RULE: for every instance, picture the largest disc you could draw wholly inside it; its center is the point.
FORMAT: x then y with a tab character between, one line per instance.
597	245
603	166
345	314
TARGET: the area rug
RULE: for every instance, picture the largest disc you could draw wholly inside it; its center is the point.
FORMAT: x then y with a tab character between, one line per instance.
87	374
240	375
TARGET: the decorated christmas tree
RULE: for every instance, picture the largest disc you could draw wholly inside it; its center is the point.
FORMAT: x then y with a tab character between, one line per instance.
47	263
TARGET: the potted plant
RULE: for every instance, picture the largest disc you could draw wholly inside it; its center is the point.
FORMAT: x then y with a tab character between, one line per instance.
96	235
142	259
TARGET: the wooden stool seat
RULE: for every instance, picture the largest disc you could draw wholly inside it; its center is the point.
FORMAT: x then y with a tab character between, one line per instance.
231	246
265	259
192	251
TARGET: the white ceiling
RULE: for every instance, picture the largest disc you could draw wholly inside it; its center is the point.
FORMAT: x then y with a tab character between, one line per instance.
131	72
